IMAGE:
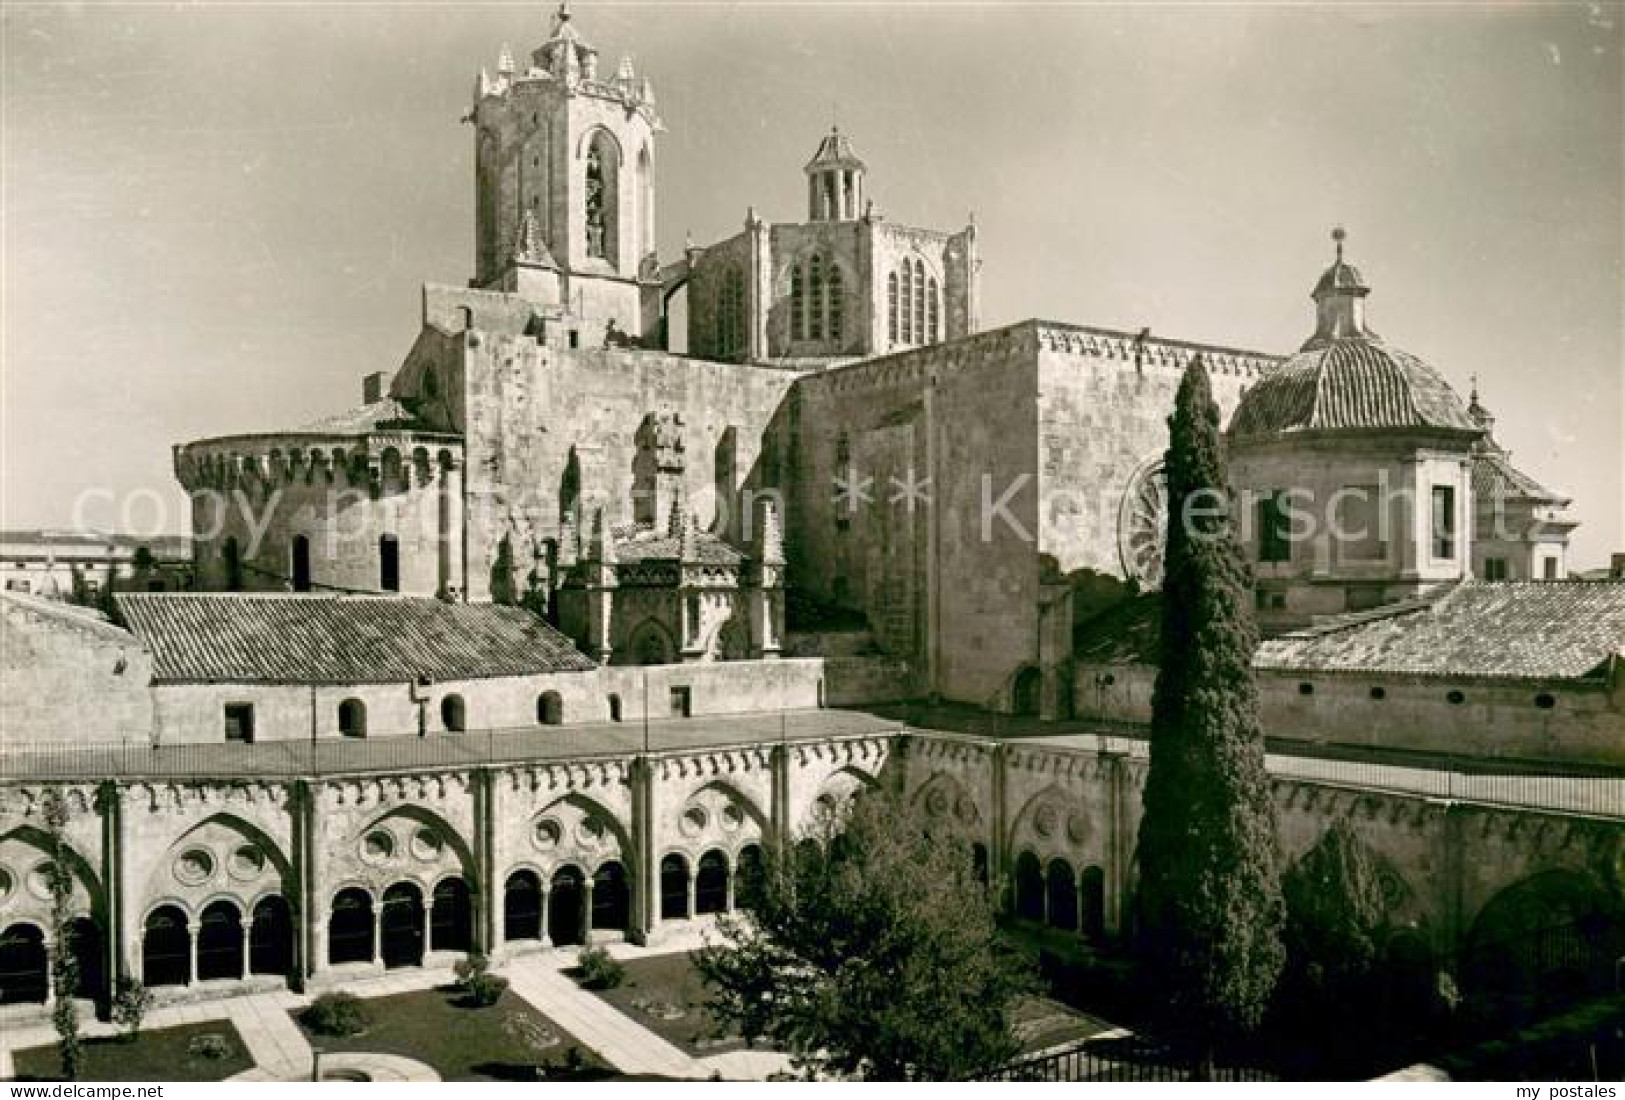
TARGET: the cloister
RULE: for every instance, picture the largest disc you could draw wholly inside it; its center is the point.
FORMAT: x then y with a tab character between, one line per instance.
202	887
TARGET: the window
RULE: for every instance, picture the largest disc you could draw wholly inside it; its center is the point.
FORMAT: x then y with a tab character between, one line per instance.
1379	693
1495	569
798	306
1548	569
595	201
919	302
352	718
682	701
240	723
1455	698
614	708
891	307
301	563
451	713
933	307
389	563
19	585
815	298
730	318
1306	689
835	301
1545	700
550	709
1274	529
904	308
1444	521
232	557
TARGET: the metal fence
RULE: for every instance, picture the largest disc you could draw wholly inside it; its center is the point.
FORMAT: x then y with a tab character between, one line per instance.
1128	1059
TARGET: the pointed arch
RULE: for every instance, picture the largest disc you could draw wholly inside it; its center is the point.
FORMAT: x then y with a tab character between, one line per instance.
30	836
1054	821
905	308
919	302
891	308
578	828
836	309
455	841
815	297
798	305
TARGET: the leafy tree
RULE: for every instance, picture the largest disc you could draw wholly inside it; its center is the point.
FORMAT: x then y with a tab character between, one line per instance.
1210	902
131	1001
879	960
1336	914
64	965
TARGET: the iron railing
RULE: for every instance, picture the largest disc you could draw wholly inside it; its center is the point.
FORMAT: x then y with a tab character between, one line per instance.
1129	1058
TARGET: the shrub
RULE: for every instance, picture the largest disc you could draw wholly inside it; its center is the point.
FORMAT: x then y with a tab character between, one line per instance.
486	989
211	1046
131	1000
338	1014
599	970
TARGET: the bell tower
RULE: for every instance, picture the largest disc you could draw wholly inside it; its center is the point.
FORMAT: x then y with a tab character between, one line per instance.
564	175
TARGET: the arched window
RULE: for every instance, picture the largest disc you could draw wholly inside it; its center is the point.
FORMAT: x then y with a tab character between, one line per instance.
602	191
353	718
815	298
933	309
550	709
919	302
614	708
798	305
452	714
301	563
903	308
891	307
836	304
730	318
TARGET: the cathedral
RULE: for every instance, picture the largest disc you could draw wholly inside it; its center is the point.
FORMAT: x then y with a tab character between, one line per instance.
339	753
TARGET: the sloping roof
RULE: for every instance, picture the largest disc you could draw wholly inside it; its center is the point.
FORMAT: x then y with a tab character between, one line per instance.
299	639
1129	632
1557	630
1494	477
1354	384
380	415
84	619
835	151
645	544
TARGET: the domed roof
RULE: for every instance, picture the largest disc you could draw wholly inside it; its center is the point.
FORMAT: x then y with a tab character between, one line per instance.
835	151
1350	384
1346	379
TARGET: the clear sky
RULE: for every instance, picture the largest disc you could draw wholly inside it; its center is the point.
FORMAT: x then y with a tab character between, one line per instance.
217	217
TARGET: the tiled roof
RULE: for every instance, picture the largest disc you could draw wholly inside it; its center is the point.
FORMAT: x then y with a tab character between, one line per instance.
1556	630
1126	633
835	151
236	638
1494	476
388	414
645	544
1353	384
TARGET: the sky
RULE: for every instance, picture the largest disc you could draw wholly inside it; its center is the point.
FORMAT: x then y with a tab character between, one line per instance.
217	217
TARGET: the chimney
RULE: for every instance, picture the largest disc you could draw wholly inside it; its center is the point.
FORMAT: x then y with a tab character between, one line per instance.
375	387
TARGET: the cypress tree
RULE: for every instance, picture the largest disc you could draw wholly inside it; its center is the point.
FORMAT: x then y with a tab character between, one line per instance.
1210	906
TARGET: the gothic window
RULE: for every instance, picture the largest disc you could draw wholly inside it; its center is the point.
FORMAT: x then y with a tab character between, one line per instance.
815	299
891	307
602	194
836	305
933	309
919	302
595	202
904	308
730	318
798	324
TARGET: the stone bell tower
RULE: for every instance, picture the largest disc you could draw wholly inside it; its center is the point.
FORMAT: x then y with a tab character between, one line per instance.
564	178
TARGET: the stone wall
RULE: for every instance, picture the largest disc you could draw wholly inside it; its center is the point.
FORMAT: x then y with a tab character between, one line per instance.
1585	723
534	412
70	676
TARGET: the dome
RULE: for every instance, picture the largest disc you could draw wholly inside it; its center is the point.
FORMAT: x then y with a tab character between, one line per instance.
835	151
1350	384
1346	378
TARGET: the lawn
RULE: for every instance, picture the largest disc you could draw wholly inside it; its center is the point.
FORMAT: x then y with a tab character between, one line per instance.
500	1043
665	994
169	1054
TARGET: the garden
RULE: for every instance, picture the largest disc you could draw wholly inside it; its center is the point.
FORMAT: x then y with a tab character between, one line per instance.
451	1030
209	1051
